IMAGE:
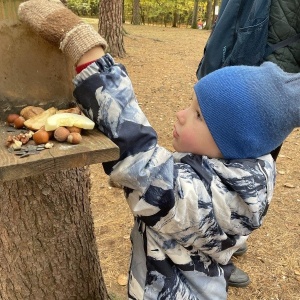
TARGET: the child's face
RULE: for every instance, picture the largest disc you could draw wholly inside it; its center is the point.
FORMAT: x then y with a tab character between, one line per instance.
191	134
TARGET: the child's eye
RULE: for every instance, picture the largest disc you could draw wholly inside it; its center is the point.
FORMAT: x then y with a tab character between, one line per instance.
199	115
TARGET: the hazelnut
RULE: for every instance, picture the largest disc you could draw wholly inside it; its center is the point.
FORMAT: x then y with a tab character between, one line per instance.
50	133
74	129
74	138
41	137
19	122
61	134
11	118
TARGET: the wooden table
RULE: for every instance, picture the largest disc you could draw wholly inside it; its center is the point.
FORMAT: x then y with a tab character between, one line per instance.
94	148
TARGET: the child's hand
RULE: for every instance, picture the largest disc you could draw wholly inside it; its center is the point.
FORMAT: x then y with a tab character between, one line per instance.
58	25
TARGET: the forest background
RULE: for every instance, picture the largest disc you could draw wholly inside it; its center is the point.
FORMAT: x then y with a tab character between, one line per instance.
174	13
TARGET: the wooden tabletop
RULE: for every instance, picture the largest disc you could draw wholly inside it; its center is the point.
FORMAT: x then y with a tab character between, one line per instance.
94	148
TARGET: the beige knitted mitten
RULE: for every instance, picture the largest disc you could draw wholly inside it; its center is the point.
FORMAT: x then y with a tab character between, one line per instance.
58	25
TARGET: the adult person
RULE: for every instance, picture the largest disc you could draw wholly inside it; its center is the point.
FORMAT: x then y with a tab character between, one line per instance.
249	32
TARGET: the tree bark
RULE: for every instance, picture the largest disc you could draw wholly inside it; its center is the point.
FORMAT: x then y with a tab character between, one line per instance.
136	14
216	3
195	15
175	14
209	15
123	11
48	248
110	26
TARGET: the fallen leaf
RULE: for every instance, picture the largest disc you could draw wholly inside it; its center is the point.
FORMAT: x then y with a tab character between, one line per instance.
122	279
284	156
288	185
281	172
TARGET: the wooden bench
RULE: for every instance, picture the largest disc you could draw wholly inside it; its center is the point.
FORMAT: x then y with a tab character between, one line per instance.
95	148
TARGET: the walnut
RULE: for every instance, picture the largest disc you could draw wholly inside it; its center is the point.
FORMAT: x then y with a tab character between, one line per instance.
18	140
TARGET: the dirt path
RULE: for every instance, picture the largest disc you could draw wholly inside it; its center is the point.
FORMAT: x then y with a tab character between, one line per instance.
162	63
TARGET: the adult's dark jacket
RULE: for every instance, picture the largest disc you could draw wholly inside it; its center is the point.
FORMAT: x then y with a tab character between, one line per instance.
248	32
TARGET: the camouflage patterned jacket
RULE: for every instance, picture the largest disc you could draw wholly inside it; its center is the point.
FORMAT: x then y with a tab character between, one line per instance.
191	212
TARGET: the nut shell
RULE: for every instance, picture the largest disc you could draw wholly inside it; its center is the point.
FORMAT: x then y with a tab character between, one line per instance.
74	138
61	134
74	129
11	118
19	122
41	137
50	133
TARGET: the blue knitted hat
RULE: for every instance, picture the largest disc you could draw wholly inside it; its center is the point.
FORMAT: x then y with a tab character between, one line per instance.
249	110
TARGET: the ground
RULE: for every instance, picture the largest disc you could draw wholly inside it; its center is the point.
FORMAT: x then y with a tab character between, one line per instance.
162	63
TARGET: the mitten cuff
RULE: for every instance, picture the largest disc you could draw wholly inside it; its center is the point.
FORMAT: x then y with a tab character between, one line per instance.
81	39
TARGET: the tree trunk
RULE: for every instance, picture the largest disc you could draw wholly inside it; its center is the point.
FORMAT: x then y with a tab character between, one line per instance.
136	14
175	18
209	15
48	248
216	3
110	26
123	11
195	15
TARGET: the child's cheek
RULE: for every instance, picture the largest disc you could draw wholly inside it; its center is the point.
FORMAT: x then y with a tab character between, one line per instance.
189	138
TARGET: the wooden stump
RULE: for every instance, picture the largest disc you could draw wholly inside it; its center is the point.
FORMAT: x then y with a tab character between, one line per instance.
48	248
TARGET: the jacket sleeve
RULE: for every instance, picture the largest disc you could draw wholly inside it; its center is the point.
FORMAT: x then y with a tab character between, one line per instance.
105	94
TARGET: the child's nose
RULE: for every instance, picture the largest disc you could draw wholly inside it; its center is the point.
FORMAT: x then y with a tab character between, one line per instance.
180	116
